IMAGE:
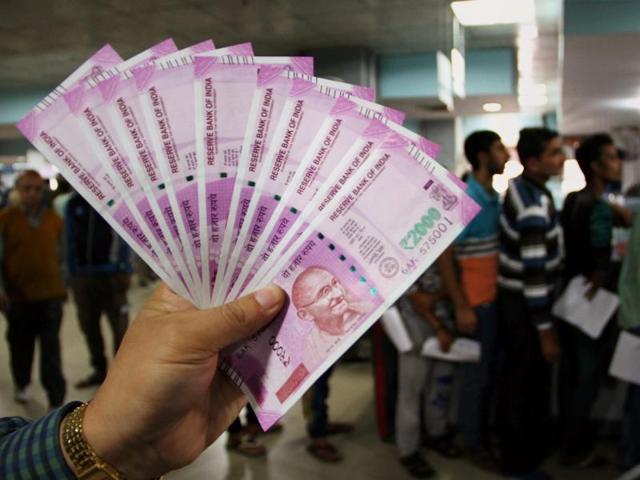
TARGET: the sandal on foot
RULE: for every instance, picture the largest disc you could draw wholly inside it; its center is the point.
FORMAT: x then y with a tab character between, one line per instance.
246	445
325	452
445	446
417	466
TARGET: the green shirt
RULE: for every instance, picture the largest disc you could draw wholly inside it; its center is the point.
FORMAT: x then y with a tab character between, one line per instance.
629	285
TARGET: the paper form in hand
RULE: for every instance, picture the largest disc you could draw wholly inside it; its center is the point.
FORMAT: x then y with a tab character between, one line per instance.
590	316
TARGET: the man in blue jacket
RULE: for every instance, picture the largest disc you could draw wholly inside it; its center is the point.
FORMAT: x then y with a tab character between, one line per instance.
99	271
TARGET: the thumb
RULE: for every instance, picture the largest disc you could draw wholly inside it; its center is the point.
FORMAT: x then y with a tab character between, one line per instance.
216	328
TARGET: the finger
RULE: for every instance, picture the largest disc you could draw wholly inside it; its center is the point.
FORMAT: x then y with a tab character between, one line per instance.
216	328
164	300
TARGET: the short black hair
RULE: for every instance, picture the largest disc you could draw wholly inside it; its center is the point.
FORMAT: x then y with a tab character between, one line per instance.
533	141
477	142
590	150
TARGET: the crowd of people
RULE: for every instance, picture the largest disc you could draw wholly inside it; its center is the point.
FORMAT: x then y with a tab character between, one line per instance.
496	285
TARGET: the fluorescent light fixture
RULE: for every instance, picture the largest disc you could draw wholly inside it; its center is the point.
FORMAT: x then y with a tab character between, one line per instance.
445	80
458	73
492	107
53	184
471	13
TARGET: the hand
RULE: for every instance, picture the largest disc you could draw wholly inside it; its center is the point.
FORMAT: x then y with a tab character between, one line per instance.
549	345
164	400
445	339
622	216
466	319
4	302
424	301
598	280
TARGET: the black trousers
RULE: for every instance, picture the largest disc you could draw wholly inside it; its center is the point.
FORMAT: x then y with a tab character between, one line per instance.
29	321
524	421
583	370
95	295
315	408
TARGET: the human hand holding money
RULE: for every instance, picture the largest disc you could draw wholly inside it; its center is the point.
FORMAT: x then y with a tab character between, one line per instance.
343	211
164	400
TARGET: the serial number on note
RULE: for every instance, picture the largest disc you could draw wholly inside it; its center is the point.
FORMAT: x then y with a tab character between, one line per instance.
429	226
280	352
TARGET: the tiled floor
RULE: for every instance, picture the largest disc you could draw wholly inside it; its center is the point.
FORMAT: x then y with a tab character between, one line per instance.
366	457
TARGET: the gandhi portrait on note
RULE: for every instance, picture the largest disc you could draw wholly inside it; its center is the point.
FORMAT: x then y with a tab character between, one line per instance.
319	296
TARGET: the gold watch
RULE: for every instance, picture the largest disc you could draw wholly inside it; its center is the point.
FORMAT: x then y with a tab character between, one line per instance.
84	458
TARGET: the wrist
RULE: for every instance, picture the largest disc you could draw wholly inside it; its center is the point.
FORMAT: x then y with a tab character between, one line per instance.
91	451
120	453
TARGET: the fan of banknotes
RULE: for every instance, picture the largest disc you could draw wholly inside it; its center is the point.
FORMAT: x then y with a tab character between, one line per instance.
226	171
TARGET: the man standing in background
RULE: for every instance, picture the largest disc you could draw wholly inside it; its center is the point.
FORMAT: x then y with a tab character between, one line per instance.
32	289
530	265
588	221
472	284
629	320
98	262
425	384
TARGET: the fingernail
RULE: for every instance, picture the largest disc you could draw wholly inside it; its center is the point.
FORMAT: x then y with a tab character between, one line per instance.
269	296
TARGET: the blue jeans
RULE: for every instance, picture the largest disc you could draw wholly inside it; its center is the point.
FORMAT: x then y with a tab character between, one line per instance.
477	385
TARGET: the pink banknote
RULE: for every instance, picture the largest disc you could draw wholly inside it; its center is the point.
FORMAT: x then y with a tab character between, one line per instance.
100	114
348	130
354	260
315	182
166	94
224	89
47	127
161	49
273	108
120	113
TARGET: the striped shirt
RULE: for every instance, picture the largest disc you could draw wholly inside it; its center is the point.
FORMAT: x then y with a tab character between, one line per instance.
531	247
31	450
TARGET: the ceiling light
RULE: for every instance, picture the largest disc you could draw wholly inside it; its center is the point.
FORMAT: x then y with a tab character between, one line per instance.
492	107
493	12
